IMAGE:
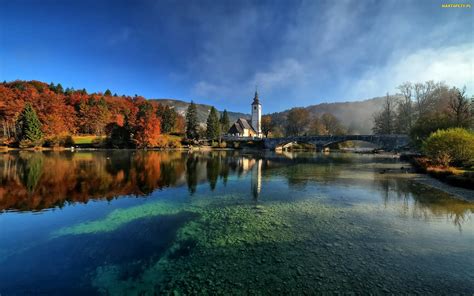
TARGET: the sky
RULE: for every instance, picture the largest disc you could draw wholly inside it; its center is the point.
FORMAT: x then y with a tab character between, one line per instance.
297	53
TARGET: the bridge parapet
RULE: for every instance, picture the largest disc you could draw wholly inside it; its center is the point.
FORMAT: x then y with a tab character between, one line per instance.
388	142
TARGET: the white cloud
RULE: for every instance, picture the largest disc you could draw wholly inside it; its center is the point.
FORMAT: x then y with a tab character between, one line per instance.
327	50
281	74
453	65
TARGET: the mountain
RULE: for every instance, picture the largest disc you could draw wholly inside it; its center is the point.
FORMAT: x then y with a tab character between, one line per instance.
357	116
202	109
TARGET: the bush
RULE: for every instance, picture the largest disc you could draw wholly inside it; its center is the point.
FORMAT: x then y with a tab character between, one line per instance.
454	146
167	141
59	141
119	136
98	142
30	144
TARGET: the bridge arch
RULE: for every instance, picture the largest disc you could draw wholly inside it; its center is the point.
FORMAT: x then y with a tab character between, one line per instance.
285	145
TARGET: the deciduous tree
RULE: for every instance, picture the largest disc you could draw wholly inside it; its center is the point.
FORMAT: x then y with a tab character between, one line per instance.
297	121
385	119
147	128
331	125
267	125
461	109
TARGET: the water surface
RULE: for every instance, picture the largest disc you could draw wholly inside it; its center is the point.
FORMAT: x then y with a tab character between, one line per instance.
142	223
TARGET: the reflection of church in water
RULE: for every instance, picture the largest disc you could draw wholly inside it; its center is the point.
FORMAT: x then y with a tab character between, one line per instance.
254	166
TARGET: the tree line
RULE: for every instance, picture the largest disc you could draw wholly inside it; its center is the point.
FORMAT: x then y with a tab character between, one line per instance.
423	108
33	113
216	125
299	122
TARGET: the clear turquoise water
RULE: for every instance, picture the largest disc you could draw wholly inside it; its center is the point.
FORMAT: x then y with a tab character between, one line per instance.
144	223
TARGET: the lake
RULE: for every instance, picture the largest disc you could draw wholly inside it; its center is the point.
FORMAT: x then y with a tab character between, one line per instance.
227	222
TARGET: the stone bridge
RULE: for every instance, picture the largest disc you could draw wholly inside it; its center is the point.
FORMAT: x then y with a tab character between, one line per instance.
386	142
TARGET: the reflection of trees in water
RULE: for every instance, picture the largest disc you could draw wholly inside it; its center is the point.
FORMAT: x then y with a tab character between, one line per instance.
213	167
191	172
32	168
34	181
80	176
423	202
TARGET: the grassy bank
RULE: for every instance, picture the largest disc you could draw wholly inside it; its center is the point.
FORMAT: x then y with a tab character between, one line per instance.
460	177
86	140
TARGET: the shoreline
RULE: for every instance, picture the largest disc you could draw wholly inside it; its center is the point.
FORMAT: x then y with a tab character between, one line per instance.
460	192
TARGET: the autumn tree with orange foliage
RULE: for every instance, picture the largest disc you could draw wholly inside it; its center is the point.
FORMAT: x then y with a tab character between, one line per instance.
71	112
147	128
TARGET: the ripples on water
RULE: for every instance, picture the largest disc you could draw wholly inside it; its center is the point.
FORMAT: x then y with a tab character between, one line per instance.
226	222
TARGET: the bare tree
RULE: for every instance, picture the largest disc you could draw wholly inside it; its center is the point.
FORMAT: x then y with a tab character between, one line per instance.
461	109
331	125
316	127
405	114
384	121
297	121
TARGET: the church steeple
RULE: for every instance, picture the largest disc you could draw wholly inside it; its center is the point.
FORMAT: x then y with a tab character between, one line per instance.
255	98
257	115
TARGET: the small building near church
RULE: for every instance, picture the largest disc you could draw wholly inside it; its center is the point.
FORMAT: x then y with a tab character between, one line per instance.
243	128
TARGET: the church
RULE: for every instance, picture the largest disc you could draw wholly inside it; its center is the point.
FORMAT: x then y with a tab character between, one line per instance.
253	129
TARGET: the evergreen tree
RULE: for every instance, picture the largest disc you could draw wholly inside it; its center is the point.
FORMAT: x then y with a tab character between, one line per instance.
192	125
52	87
30	126
59	88
108	93
225	122
168	119
213	128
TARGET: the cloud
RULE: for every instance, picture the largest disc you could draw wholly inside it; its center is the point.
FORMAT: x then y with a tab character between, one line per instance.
282	73
317	51
452	65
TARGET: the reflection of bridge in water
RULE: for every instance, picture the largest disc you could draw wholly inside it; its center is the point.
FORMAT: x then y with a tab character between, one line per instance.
387	142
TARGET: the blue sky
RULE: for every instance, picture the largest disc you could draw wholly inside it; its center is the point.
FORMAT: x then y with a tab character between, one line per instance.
298	52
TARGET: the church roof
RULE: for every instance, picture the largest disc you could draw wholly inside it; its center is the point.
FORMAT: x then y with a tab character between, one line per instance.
239	126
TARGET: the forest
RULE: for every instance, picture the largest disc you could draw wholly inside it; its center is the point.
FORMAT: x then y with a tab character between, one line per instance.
34	113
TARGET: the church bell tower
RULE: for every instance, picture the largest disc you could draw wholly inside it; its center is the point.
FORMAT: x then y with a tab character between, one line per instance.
257	115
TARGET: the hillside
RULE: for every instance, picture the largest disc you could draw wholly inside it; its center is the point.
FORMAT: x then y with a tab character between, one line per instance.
203	110
357	116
